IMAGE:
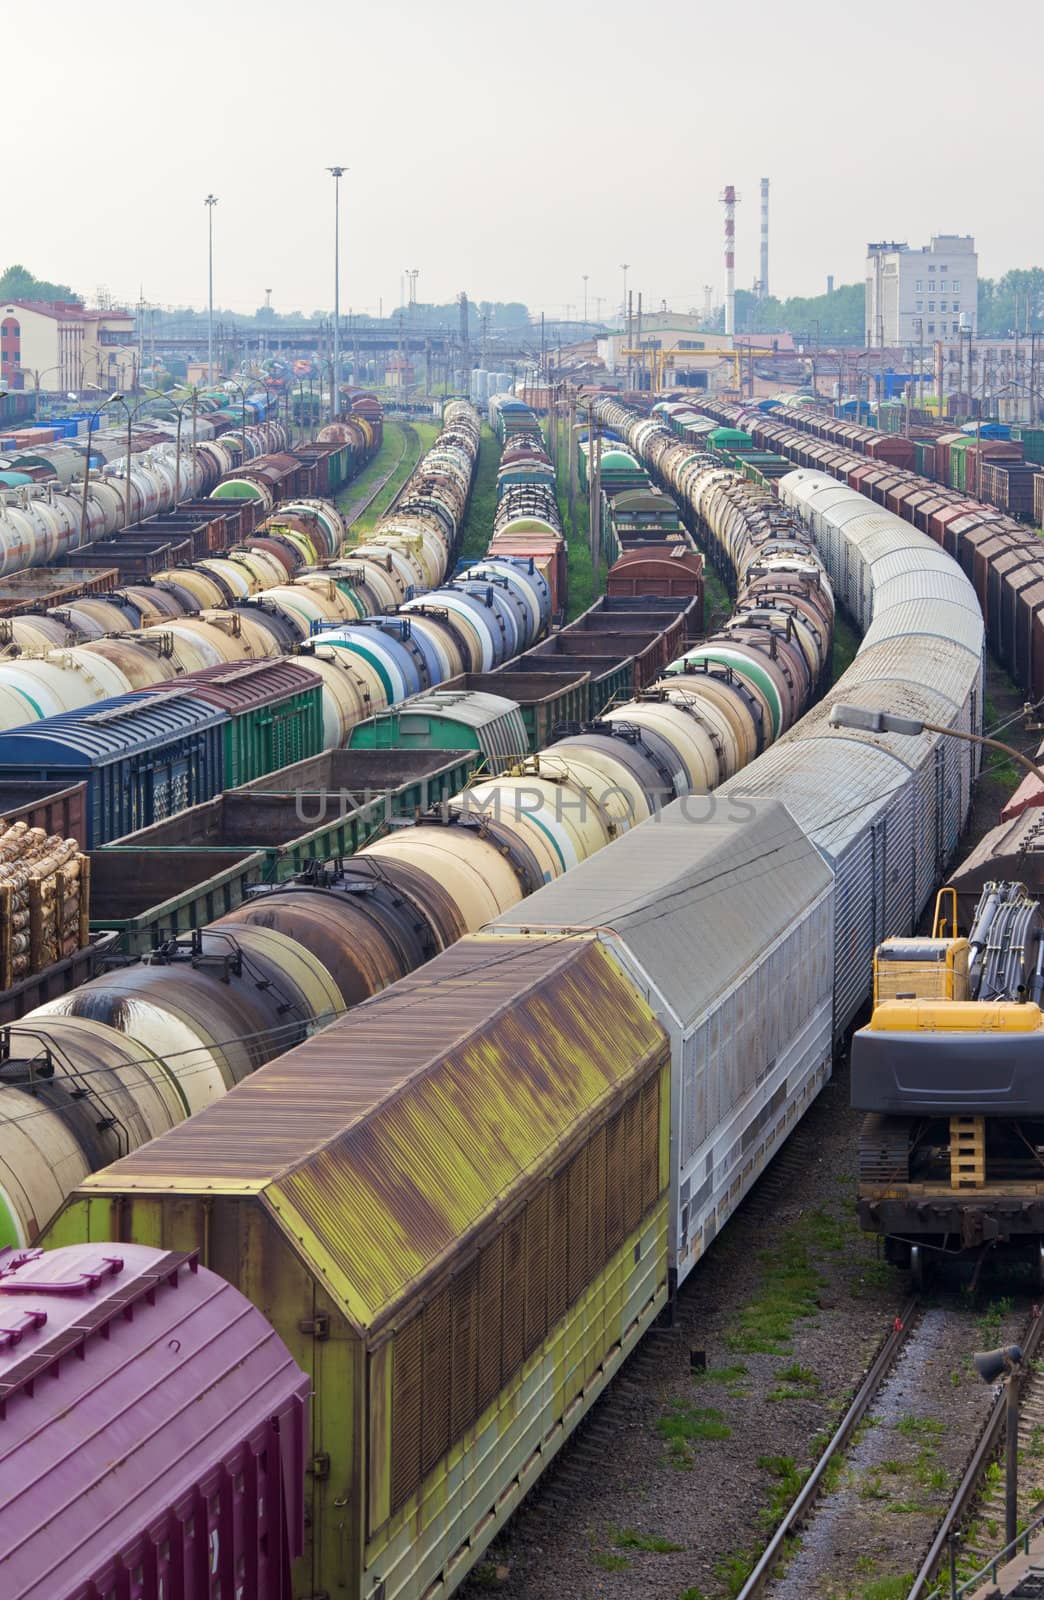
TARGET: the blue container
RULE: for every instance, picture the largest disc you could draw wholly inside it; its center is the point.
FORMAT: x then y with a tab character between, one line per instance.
144	757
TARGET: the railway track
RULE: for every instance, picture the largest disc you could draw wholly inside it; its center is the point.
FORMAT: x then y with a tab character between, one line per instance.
354	512
978	1504
850	1500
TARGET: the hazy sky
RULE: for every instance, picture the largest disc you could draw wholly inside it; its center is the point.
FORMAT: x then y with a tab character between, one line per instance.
506	149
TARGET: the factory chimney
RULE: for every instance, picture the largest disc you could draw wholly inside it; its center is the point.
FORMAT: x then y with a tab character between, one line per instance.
728	199
763	288
830	283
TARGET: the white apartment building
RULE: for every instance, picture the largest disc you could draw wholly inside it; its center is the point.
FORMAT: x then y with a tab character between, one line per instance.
921	295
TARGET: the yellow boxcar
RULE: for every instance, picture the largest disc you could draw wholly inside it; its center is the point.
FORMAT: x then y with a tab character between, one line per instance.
452	1206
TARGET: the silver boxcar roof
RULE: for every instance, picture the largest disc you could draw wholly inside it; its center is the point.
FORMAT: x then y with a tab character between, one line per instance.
694	894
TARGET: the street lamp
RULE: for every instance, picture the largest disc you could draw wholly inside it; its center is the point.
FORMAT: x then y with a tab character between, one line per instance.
179	406
37	375
210	202
585	277
87	460
1006	1362
865	720
337	173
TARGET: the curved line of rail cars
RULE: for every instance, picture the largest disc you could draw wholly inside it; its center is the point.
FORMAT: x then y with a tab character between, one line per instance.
272	595
1002	557
526	521
420	888
40	522
480	1185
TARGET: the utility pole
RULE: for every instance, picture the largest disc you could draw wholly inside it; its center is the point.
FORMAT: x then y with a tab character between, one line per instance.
337	173
585	276
465	348
210	202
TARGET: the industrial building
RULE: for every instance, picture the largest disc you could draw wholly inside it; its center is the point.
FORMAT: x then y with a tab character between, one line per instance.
59	344
695	355
921	295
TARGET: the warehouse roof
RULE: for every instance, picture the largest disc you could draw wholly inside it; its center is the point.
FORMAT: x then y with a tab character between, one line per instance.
385	1140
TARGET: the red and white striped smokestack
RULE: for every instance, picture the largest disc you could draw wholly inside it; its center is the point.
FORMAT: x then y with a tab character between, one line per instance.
728	198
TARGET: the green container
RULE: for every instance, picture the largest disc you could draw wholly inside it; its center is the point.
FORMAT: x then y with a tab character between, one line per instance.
545	699
959	462
267	737
730	439
453	717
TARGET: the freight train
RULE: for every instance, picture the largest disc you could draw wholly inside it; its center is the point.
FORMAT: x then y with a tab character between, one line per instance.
64	505
1000	556
526	521
412	893
537	1134
268	598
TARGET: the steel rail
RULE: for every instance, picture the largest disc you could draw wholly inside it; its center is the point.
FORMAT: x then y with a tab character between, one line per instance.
980	1458
408	431
810	1490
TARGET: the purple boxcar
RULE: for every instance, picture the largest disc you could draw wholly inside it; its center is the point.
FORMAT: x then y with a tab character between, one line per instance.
153	1431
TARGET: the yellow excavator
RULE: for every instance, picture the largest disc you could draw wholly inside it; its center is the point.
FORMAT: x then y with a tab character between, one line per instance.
950	1075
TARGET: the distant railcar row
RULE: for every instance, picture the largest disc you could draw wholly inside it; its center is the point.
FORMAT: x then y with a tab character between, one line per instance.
1000	555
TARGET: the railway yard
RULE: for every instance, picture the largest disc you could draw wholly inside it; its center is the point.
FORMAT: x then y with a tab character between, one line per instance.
363	812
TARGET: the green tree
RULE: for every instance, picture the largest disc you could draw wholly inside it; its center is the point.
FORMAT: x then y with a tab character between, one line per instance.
18	283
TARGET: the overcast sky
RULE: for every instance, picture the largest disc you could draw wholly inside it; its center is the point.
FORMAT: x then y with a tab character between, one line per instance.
507	149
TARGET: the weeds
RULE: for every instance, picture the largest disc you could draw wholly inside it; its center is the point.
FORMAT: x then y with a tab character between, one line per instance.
733	1572
918	1427
682	1425
631	1539
610	1562
789	1291
722	1374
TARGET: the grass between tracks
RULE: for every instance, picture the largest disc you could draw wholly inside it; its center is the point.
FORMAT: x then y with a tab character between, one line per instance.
585	585
478	524
421	438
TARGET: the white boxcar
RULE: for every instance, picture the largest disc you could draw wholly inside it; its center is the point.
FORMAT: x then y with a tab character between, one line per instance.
723	917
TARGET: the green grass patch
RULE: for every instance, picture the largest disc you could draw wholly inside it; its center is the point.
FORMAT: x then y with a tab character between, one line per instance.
420	436
478	524
991	1320
788	1294
684	1425
908	1508
787	1480
610	1562
722	1374
733	1572
692	1593
631	1539
888	1588
845	645
920	1427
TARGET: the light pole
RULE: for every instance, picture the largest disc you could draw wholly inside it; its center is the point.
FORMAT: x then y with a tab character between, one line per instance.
1006	1362
337	174
210	202
37	375
95	414
585	277
866	720
179	406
